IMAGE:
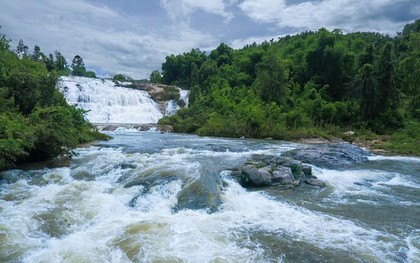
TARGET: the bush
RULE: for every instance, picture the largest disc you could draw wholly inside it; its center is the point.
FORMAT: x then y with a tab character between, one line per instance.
296	118
16	139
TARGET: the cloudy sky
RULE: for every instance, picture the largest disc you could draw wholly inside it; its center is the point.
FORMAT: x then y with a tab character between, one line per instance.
134	36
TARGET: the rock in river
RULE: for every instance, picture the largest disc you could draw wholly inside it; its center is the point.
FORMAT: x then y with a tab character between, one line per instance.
267	170
332	156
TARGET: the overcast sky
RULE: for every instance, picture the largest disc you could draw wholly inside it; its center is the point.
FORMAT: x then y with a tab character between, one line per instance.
134	36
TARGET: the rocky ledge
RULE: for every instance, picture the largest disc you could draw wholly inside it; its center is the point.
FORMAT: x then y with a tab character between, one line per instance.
293	168
267	170
330	155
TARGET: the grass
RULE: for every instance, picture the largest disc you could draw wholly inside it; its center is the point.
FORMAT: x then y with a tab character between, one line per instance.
405	141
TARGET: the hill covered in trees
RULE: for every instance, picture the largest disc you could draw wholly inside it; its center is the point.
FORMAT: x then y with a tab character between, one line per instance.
308	85
36	123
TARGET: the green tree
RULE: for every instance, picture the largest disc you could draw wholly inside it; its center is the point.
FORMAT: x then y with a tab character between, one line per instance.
155	77
61	64
16	139
194	75
90	74
271	80
4	42
49	62
176	70
387	81
410	68
207	72
78	66
367	85
121	77
22	49
222	54
35	120
37	55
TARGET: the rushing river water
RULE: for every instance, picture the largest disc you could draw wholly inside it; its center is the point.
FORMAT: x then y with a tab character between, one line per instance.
119	202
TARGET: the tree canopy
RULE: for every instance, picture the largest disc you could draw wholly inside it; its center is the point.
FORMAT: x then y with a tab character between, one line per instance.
300	84
36	123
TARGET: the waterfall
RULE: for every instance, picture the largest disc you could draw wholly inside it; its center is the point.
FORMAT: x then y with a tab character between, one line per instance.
108	103
171	106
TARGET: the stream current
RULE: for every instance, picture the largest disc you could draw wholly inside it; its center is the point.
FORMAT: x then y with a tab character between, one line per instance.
118	200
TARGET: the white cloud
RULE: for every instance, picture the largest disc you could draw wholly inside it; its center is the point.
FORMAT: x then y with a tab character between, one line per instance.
265	11
349	15
107	41
181	9
240	43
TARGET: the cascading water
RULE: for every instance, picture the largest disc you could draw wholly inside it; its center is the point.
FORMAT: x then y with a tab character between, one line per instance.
148	197
171	107
107	102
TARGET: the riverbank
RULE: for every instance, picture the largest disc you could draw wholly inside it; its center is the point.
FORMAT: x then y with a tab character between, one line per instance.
377	144
402	143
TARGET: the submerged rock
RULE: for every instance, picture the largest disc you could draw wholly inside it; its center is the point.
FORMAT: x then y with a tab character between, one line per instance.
60	161
126	166
315	182
332	156
202	193
83	176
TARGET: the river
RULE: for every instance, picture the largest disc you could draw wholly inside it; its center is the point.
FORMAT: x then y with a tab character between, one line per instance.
119	202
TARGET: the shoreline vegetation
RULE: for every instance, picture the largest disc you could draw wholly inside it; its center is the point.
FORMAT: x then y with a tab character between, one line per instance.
317	84
36	122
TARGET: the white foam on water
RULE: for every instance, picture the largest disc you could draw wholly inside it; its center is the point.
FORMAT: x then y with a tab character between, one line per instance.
363	186
258	212
109	103
396	158
401	180
413	243
100	226
343	181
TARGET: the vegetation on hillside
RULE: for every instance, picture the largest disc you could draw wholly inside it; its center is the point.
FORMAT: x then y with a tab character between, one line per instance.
36	123
312	84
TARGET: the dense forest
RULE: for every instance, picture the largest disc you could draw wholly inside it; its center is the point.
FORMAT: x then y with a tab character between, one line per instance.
36	123
314	84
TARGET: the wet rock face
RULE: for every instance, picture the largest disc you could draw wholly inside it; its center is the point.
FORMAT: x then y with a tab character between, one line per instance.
265	170
251	175
332	156
315	182
201	193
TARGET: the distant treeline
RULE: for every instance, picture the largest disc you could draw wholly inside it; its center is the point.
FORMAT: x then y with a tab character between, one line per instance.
301	86
36	123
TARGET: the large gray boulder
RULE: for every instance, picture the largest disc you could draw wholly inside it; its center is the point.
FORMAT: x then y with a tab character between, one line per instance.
204	193
201	193
253	176
332	156
283	175
268	170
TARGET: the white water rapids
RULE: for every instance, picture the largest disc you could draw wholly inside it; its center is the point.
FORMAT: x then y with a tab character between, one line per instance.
90	212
